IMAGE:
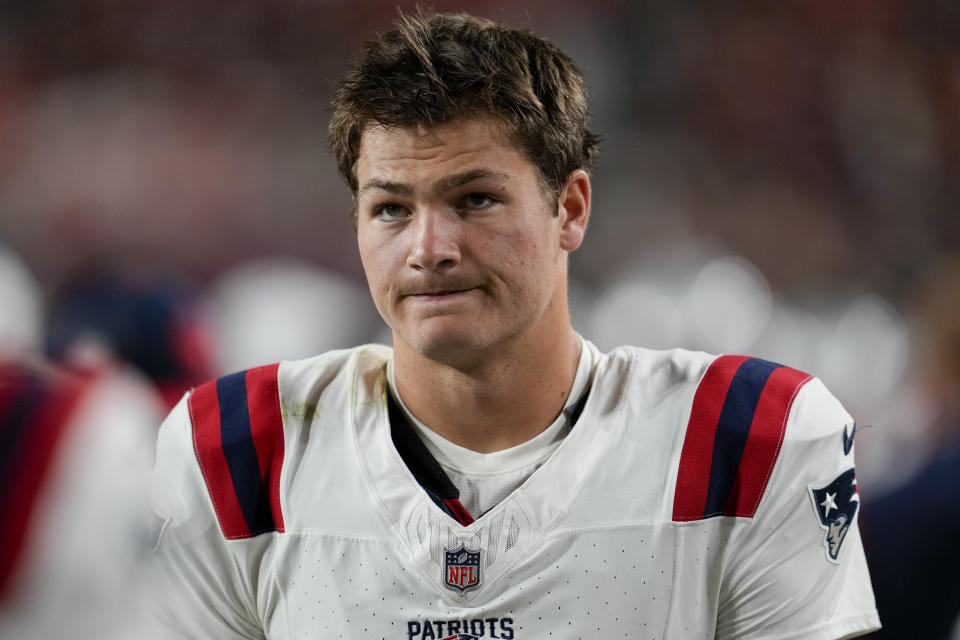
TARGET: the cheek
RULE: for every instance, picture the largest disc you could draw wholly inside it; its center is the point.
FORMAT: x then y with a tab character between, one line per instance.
372	257
526	262
535	250
366	261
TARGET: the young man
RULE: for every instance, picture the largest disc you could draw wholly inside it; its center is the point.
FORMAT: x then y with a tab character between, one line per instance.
493	475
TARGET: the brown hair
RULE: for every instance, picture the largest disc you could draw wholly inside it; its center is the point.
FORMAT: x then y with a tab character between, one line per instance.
434	68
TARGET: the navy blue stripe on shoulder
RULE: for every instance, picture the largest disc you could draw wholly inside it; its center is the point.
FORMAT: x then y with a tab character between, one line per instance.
733	427
238	438
241	452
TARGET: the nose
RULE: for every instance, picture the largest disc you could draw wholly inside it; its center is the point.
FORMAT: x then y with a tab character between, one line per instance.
435	241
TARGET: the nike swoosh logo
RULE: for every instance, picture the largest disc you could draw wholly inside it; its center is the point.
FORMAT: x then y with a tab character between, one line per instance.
848	439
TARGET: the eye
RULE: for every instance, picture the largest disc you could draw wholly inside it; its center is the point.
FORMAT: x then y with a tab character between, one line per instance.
477	201
388	211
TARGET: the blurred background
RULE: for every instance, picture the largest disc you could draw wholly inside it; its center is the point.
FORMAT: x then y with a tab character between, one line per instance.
780	179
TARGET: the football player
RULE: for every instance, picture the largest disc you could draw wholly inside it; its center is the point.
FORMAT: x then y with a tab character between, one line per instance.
75	449
493	475
76	443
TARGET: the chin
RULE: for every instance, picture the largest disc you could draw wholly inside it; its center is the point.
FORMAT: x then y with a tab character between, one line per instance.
457	348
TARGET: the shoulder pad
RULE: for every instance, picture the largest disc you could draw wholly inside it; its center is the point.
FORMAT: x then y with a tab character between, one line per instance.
238	441
736	427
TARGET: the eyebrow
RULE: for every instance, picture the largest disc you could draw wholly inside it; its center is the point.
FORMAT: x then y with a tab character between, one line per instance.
444	184
386	185
460	179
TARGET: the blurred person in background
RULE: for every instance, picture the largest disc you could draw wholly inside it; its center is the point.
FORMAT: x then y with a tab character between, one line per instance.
148	322
493	475
75	447
911	532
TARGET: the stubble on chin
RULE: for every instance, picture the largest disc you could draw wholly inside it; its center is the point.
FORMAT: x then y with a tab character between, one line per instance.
459	347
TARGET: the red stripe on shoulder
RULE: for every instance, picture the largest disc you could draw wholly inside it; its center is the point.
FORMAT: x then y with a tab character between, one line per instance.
765	439
204	409
693	474
266	425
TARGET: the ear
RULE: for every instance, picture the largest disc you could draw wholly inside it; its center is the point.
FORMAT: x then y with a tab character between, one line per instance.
573	209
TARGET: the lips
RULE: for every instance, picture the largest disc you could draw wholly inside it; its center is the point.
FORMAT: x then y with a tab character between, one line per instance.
444	292
436	295
436	290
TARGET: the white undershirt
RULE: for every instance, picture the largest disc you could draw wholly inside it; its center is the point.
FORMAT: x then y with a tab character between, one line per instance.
485	479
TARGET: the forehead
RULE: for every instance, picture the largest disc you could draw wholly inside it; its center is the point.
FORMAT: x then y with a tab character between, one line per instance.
411	153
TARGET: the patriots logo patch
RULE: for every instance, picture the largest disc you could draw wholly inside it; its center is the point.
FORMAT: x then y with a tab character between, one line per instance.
836	505
462	636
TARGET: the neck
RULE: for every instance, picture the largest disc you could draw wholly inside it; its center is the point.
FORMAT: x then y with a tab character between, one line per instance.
494	404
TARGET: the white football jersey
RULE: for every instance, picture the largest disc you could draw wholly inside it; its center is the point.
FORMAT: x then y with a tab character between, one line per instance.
695	497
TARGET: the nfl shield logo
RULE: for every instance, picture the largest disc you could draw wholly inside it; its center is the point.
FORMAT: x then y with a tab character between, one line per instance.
461	569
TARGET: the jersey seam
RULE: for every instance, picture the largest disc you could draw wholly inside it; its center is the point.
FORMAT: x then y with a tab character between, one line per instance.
776	456
203	470
677	552
860	619
281	494
303	533
679	438
783	435
573	531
